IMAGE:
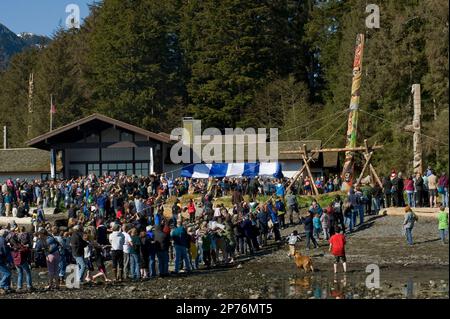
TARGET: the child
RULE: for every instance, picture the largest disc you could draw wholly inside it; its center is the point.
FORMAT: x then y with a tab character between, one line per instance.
337	248
317	226
443	223
325	222
292	239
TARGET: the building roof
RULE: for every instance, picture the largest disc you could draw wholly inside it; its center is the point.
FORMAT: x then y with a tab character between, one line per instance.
74	131
19	160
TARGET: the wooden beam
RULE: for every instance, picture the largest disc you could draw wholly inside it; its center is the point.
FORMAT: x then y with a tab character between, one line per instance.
377	179
329	150
367	157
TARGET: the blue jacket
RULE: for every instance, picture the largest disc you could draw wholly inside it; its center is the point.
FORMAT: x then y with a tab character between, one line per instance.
273	213
4	251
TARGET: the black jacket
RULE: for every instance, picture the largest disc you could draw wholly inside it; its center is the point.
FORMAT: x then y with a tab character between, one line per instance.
77	243
308	223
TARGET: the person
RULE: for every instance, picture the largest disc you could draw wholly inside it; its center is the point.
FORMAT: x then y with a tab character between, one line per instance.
347	209
281	212
443	223
292	207
432	189
5	273
117	240
21	254
135	249
77	243
337	249
126	251
408	224
181	242
191	210
443	189
279	189
52	256
317	226
292	240
325	223
263	224
162	242
387	189
418	186
409	190
144	254
99	258
308	226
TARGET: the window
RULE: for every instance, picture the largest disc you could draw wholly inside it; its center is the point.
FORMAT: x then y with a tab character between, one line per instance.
124	136
142	169
94	169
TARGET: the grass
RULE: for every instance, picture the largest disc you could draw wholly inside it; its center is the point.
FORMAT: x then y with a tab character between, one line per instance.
303	200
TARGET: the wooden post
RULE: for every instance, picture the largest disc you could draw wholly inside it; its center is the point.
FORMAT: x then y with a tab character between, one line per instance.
417	144
313	185
297	175
367	158
377	179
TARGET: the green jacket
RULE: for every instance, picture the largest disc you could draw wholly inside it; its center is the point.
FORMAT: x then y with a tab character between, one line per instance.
443	220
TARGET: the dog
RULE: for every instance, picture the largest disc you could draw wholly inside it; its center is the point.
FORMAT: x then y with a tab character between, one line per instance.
304	262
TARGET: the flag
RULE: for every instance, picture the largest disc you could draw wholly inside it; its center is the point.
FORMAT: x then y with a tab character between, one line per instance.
53	109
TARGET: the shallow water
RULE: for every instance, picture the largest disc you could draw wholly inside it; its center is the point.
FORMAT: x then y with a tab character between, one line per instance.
393	284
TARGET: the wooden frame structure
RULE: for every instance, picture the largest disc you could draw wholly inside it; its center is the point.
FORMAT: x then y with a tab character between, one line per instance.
307	157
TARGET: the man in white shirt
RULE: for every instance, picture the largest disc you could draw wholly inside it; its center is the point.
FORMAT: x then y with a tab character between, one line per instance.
126	251
117	240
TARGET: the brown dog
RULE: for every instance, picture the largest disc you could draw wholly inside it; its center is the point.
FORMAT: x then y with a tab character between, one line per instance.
304	262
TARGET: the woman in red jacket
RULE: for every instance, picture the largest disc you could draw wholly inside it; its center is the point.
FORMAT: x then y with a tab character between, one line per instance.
409	189
191	210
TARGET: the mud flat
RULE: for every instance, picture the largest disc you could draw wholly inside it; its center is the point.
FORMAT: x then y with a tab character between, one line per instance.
419	271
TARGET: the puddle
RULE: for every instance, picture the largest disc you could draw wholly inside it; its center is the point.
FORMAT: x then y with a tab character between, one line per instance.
353	286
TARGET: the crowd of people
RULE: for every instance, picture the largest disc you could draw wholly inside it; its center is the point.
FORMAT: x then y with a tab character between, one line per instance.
125	219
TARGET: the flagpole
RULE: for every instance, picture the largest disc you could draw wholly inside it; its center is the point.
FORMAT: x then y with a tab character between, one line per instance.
51	112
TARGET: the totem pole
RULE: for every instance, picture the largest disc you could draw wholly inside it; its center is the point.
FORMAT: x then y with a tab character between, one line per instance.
348	168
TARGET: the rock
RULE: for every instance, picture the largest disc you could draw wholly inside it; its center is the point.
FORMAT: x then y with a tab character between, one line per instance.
355	296
255	296
442	281
432	284
219	295
250	274
309	292
42	274
165	296
130	288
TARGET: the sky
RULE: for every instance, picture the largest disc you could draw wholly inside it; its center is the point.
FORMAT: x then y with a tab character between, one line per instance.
40	17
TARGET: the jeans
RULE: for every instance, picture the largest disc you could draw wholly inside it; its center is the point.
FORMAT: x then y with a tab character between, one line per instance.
376	205
354	215
62	266
152	264
2	210
81	267
181	255
443	234
408	233
5	277
25	267
361	214
126	265
348	221
309	238
163	262
411	200
134	265
444	197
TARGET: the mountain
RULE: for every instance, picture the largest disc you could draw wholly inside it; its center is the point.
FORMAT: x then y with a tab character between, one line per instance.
11	43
